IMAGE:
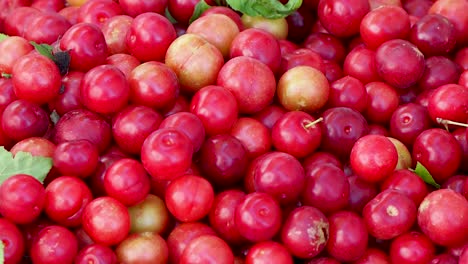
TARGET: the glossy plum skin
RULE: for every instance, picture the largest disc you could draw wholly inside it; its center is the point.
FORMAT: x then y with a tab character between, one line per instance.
127	181
218	29
449	102
98	11
222	213
260	143
408	183
65	199
268	251
408	121
360	63
352	246
441	162
146	48
207	249
342	127
195	61
246	43
303	88
36	78
396	72
54	244
205	105
70	98
83	124
389	214
382	101
258	217
23	119
95	92
106	221
223	160
96	251
368	166
13	48
189	198
13	241
146	247
76	158
326	188
166	153
19	192
295	235
153	84
412	247
342	18
132	125
348	92
87	46
278	174
383	24
255	89
182	235
188	123
424	35
296	133
441	216
360	193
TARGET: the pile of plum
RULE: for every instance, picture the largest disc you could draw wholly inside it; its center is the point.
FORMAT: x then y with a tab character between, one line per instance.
237	131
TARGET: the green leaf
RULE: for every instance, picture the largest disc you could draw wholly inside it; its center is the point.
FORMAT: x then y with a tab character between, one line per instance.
169	16
6	75
62	60
2	248
3	37
272	9
54	117
220	2
23	163
43	49
201	7
424	174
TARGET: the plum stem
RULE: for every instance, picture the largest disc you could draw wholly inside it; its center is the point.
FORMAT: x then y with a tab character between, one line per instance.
309	125
446	122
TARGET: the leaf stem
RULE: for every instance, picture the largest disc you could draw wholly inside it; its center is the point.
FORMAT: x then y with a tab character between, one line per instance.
446	123
313	123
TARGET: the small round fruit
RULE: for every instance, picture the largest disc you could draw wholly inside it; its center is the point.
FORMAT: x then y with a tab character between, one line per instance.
258	217
303	88
13	241
22	198
252	83
149	36
305	232
399	63
54	245
105	89
442	217
373	158
87	46
352	246
218	29
36	78
389	214
106	221
142	248
189	198
195	61
166	154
